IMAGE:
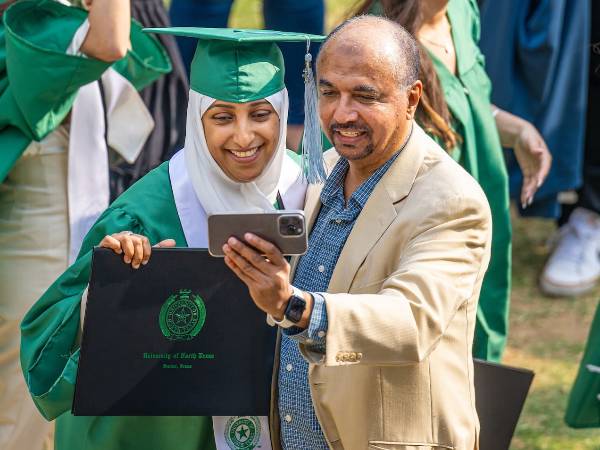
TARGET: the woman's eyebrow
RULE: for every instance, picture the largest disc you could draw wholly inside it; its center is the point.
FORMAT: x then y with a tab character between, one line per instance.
226	106
220	105
259	102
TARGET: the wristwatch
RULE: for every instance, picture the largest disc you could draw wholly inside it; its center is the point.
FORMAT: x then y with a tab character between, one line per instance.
294	310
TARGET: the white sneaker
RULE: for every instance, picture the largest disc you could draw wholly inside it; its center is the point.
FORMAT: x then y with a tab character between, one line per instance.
574	265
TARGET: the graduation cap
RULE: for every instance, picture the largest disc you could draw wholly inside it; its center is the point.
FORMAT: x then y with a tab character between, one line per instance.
240	66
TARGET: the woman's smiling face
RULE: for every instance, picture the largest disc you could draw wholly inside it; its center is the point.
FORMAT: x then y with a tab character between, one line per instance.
241	137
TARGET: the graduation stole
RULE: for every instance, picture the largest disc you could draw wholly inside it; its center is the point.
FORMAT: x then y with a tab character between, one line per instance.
244	432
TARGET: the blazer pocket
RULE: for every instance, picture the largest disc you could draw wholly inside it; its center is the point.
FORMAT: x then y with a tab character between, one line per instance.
383	445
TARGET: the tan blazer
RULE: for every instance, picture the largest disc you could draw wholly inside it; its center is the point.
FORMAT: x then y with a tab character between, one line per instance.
401	304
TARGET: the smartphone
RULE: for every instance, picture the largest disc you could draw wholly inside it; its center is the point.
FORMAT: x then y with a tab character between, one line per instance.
285	229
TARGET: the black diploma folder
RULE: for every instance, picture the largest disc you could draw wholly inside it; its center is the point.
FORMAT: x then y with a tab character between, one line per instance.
179	336
500	393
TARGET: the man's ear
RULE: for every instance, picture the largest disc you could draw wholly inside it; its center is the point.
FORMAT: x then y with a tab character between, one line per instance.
414	95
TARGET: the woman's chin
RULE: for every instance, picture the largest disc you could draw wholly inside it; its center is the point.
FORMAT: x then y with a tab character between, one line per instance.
245	174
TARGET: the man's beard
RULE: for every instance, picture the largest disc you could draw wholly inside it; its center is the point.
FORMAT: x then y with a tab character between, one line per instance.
369	148
362	155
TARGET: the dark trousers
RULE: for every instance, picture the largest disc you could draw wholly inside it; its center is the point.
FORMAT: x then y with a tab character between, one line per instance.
589	193
166	99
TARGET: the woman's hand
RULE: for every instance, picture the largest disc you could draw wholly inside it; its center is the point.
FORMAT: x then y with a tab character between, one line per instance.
534	159
136	249
531	151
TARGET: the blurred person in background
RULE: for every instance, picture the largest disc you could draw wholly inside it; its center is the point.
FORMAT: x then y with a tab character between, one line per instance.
573	268
455	109
540	72
536	54
68	91
306	16
166	99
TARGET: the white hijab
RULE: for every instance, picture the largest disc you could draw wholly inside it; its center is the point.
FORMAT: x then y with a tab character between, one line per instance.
217	192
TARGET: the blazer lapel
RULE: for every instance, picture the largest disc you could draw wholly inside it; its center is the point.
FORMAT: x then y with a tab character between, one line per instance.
372	222
379	212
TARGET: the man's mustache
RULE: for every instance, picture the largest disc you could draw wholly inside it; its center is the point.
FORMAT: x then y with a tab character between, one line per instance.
354	126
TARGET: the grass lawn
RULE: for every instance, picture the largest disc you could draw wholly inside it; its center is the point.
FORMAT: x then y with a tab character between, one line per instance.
546	335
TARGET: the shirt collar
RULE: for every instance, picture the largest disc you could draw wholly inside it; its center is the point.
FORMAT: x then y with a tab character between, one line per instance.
334	186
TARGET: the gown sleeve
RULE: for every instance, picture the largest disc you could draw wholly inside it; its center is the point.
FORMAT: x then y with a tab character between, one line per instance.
146	61
42	78
49	331
39	79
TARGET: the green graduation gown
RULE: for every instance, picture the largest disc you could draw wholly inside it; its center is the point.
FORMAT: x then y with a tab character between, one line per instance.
50	330
50	348
39	81
467	94
583	408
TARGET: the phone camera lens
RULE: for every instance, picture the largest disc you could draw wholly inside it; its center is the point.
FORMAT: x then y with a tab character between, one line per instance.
290	226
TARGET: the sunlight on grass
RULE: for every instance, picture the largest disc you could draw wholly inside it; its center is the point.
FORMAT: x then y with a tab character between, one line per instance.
547	335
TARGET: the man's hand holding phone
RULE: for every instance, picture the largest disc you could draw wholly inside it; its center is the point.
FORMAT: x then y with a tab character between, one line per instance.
267	277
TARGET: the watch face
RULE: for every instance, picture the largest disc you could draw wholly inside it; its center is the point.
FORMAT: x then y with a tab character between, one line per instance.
295	309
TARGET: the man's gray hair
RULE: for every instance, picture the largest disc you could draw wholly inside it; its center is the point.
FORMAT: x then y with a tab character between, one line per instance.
407	62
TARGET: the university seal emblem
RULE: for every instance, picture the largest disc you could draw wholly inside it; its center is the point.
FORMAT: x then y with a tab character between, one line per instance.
242	432
182	316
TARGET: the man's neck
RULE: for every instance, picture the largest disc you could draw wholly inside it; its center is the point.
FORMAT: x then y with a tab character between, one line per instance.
433	12
360	170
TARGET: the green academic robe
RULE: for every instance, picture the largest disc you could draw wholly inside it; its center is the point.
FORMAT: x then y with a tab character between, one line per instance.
467	94
50	347
39	81
583	408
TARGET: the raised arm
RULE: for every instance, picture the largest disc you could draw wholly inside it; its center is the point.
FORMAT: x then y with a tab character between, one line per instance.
108	36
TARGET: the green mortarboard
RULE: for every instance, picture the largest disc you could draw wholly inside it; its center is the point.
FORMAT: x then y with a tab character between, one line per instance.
237	65
240	66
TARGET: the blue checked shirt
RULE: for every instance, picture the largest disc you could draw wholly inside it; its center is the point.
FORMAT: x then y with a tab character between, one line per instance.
300	429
